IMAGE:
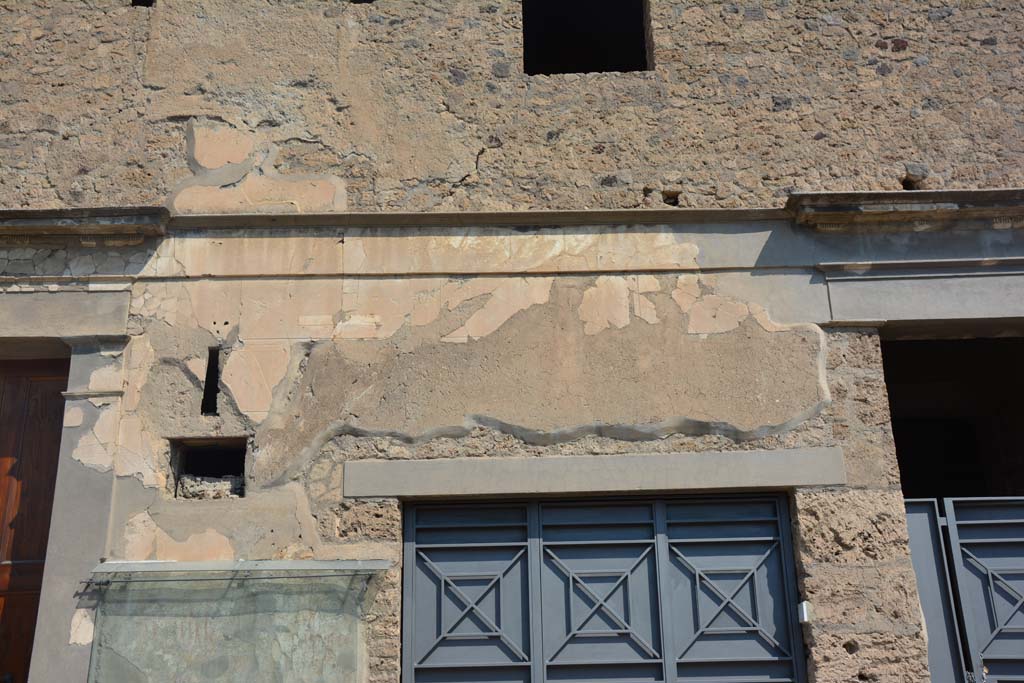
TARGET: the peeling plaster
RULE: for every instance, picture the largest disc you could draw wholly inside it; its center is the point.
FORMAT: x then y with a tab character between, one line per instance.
714	314
197	366
73	416
136	453
686	292
506	299
751	380
252	371
505	251
139	360
211	145
232	174
98	441
609	301
144	540
82	627
377	309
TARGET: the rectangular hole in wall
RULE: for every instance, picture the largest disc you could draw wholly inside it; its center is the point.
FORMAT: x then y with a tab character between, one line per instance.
581	36
207	469
211	385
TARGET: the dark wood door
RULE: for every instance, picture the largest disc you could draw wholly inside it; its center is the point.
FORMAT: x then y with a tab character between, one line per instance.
31	415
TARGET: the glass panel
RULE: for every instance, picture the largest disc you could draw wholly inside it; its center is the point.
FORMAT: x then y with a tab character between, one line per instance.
213	626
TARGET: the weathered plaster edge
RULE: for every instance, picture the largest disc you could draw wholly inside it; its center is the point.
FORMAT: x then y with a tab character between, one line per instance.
330	566
625	432
784	468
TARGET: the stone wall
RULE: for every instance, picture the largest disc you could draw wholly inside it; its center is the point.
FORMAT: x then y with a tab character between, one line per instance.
386	106
344	345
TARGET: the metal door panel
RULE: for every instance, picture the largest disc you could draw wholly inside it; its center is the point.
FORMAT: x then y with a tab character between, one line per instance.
599	592
609	591
471	593
987	535
728	598
945	656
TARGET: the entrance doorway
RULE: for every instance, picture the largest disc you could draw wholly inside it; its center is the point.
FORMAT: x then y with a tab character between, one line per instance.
31	416
958	419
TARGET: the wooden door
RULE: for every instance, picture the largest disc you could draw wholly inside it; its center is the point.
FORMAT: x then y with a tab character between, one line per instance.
31	416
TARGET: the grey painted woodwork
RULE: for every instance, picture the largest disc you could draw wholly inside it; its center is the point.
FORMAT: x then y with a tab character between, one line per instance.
987	535
968	557
619	591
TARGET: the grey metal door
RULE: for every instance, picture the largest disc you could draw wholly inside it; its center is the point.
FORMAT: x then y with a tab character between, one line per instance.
988	552
968	556
695	589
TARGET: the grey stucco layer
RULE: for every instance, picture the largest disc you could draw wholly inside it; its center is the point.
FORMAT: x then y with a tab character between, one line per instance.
600	474
956	296
78	534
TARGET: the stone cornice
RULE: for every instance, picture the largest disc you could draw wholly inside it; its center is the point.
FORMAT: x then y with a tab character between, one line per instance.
908	211
823	211
99	221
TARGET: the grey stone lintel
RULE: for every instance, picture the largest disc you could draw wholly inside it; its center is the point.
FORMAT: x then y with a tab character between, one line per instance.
663	472
63	314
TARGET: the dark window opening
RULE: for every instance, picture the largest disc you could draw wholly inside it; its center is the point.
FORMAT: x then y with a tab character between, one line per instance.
211	385
957	416
209	468
573	36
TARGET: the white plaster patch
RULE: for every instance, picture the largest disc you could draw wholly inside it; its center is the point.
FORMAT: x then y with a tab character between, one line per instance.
686	292
106	378
713	314
608	303
136	453
82	627
261	254
472	251
197	366
294	309
605	304
643	307
361	326
252	371
213	145
508	298
267	192
139	537
213	305
377	309
144	540
95	448
73	416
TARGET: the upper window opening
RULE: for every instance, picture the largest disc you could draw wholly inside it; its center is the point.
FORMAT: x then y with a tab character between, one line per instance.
580	36
209	468
956	407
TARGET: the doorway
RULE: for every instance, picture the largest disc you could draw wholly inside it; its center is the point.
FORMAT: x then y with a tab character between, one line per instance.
957	409
31	418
